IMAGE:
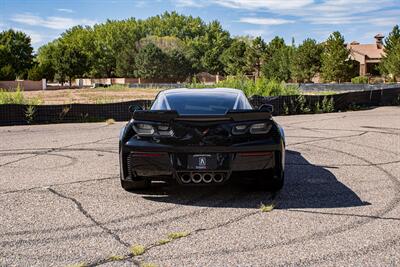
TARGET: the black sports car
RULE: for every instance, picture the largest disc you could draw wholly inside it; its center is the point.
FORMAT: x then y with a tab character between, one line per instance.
199	137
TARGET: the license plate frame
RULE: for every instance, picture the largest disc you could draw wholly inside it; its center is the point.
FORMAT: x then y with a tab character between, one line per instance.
202	162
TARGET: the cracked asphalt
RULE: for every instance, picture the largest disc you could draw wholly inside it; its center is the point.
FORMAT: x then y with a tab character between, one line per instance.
61	202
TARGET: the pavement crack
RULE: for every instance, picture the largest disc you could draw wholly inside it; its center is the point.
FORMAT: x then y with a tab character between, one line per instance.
90	217
59	184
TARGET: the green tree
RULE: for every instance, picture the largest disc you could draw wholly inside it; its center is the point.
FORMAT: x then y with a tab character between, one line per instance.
390	64
277	60
151	62
233	58
306	61
125	65
45	58
335	63
215	41
69	62
179	67
255	55
16	51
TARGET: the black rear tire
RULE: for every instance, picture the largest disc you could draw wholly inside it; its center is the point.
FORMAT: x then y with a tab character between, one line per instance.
277	182
135	185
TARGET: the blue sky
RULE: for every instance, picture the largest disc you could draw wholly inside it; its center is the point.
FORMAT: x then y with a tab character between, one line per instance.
359	20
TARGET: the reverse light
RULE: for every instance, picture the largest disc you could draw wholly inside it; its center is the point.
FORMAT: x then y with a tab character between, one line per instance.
239	129
165	130
260	128
143	129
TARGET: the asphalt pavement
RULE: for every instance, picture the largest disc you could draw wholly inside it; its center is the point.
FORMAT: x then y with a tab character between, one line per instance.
61	202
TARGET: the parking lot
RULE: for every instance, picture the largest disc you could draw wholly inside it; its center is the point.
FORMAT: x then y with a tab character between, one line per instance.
62	204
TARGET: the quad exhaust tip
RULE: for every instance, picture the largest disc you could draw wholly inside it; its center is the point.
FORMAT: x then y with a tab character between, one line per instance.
197	177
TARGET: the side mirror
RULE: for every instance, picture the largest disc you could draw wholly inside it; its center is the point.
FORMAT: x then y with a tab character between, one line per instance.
132	108
267	108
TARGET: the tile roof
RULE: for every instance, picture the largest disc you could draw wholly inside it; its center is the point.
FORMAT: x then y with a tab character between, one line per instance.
369	50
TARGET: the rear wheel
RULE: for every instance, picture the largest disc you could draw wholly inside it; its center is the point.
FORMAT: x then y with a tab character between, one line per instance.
135	185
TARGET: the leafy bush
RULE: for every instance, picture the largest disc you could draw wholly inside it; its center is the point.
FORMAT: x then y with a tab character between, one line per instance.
359	80
17	97
328	104
261	86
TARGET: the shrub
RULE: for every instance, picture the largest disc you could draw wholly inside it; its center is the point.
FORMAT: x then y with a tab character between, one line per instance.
261	86
328	105
359	80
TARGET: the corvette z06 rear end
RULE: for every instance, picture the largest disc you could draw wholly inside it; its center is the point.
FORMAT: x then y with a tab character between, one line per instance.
201	137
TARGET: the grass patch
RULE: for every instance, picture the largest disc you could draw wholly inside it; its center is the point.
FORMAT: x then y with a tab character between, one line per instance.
163	241
116	258
82	264
115	87
267	208
320	92
177	235
110	121
18	97
148	264
137	250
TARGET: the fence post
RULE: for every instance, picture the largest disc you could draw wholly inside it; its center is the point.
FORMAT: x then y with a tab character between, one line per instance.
44	84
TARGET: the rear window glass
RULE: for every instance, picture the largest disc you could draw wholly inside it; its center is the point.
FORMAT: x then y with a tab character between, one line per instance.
201	104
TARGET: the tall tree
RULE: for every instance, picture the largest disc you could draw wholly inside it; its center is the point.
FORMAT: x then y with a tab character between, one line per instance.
179	67
390	63
69	62
255	55
336	65
150	62
277	60
234	59
16	52
216	40
306	61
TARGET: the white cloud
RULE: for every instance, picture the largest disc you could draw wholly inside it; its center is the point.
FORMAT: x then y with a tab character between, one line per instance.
255	32
326	12
189	3
264	4
265	21
59	23
67	10
36	38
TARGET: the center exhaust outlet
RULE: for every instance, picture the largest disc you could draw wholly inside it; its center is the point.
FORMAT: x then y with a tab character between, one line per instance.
196	178
207	178
218	177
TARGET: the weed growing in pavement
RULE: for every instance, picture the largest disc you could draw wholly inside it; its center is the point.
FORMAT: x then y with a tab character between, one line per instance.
30	114
148	264
267	208
163	241
177	235
82	264
110	121
137	250
116	258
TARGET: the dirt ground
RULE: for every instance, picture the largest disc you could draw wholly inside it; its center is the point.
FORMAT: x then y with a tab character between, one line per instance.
95	96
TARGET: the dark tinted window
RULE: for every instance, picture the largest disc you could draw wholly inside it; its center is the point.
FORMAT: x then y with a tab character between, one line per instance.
201	104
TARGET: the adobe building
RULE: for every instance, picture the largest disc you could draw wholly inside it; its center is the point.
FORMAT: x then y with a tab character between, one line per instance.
368	55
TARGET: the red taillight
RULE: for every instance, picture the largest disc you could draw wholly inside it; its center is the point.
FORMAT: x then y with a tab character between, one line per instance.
256	154
147	154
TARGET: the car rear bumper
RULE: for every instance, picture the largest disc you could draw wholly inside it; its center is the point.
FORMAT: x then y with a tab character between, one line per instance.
147	159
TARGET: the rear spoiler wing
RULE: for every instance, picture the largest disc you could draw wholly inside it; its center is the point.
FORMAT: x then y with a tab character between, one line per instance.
170	115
